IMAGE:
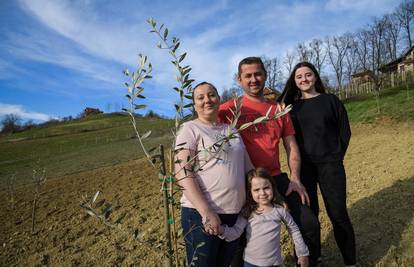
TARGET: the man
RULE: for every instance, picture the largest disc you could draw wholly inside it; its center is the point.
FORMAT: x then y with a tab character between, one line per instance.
262	144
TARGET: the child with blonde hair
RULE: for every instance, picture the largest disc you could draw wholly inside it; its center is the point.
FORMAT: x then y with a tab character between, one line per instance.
261	217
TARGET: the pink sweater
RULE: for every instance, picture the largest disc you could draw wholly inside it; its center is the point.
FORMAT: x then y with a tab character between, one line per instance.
263	236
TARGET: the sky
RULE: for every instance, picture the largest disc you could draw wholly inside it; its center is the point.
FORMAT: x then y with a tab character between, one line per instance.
58	57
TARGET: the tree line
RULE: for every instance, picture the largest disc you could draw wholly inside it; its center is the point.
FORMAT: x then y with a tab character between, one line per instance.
338	57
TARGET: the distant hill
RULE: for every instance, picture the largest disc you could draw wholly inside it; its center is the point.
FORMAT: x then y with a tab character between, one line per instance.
78	145
108	139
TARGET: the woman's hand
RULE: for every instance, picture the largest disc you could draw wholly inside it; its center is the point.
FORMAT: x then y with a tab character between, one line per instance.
211	222
303	261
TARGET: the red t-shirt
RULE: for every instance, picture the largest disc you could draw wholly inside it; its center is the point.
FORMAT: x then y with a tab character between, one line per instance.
261	140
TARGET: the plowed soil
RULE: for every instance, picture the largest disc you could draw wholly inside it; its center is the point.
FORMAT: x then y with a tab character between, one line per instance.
380	170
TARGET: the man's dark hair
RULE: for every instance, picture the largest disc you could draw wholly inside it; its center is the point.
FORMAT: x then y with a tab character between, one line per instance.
251	60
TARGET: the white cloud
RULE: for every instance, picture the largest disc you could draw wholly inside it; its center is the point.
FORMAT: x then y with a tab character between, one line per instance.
22	113
368	7
96	39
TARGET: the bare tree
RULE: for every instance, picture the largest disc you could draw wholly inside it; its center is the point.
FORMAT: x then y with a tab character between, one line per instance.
289	61
304	53
362	48
230	93
318	52
351	59
10	124
336	49
391	35
405	15
377	44
274	72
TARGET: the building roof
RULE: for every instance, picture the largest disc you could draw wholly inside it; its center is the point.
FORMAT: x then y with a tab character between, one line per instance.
361	73
395	62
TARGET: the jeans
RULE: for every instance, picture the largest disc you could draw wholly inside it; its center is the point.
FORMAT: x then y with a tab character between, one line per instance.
332	182
203	249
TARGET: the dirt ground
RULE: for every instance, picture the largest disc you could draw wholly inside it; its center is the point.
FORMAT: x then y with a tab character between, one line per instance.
380	169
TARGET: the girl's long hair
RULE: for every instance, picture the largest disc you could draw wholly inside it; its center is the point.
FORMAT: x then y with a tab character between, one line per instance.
291	92
251	206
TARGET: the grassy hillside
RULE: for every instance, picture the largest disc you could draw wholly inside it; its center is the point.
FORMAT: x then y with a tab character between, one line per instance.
107	139
79	145
395	104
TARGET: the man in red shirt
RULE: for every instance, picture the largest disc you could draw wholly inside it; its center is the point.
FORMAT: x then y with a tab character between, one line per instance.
262	144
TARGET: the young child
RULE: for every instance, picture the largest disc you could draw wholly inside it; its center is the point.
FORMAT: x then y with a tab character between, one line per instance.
262	216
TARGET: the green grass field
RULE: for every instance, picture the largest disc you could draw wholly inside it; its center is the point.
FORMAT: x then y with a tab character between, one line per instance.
395	103
75	146
107	139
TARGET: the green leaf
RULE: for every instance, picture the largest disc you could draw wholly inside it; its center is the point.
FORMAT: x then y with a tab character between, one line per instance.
90	212
177	107
187	83
176	89
175	47
189	97
152	22
186	71
187	117
188	105
129	88
165	33
95	197
152	149
260	119
126	71
140	96
139	106
148	77
129	98
145	135
182	57
246	125
268	112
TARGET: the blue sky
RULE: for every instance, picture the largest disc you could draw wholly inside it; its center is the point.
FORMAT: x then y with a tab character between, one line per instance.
58	57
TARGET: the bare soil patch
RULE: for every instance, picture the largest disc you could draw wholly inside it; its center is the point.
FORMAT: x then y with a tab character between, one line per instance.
380	170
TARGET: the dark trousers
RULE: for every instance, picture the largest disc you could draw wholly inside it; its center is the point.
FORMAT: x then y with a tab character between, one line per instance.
303	216
332	183
202	249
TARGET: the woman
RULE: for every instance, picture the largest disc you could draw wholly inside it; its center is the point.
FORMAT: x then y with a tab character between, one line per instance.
212	178
323	134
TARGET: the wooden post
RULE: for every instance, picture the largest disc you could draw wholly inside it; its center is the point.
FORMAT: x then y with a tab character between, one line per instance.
169	262
171	193
34	212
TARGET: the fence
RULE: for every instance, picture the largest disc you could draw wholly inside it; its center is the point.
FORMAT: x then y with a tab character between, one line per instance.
386	81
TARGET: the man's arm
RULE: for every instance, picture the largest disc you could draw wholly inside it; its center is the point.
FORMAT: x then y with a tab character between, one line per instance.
293	158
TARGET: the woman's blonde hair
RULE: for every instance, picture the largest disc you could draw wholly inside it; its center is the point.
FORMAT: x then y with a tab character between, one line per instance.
250	206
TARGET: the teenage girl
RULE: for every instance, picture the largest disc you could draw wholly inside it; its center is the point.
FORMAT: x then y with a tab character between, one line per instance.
261	217
323	134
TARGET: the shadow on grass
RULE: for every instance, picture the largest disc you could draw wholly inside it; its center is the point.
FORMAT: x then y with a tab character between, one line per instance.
379	222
